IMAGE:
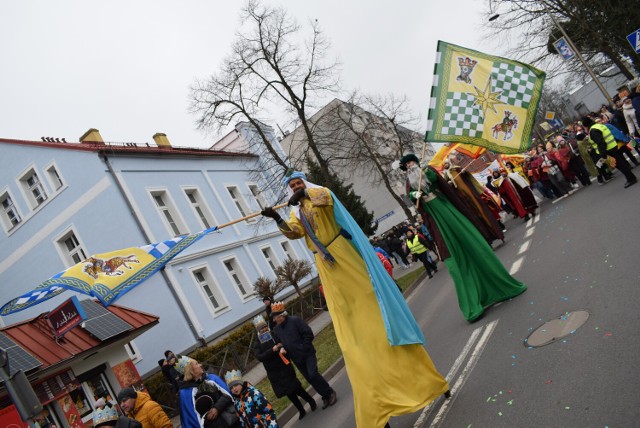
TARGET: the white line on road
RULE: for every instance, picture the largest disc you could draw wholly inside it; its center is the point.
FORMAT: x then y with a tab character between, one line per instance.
515	267
529	231
524	247
454	369
473	360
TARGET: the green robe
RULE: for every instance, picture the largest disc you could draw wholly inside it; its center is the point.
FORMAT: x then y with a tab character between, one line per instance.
479	276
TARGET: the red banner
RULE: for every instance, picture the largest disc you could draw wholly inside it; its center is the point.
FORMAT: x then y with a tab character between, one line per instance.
10	418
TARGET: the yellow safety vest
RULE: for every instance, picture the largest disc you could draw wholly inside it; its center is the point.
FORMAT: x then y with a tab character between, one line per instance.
606	134
415	246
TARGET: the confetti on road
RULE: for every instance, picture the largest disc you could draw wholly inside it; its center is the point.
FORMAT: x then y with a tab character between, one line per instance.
567	408
548	382
608	334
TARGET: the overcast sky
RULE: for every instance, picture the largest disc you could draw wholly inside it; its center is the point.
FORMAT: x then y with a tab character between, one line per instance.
125	67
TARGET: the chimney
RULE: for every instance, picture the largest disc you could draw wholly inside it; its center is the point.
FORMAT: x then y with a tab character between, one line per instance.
92	136
161	140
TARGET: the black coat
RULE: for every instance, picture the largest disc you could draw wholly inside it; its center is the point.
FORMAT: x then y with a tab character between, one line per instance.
282	376
297	338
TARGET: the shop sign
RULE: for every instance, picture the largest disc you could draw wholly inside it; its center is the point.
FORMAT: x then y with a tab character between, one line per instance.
66	316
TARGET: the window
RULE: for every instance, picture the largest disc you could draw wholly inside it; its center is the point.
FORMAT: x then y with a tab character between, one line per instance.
269	257
257	194
238	200
10	215
168	212
286	247
200	208
205	282
54	178
133	351
33	189
71	248
237	276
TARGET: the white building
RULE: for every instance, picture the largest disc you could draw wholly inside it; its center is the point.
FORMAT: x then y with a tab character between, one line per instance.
62	202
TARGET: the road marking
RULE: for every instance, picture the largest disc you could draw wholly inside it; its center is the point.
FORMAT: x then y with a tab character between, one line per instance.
515	267
529	232
473	360
524	247
458	363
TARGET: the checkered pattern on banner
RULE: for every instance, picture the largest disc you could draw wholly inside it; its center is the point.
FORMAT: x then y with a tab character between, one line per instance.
42	294
515	82
461	117
159	249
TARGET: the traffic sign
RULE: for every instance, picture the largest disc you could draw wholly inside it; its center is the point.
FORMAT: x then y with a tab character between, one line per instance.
634	39
550	115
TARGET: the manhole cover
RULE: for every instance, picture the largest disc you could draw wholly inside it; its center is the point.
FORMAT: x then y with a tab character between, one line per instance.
556	329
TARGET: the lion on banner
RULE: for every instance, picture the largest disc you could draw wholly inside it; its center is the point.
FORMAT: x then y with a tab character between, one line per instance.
110	267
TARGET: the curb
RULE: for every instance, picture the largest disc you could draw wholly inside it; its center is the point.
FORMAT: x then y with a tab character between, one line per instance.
290	411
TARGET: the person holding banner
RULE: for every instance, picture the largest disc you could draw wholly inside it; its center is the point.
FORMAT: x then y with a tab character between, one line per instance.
390	371
478	275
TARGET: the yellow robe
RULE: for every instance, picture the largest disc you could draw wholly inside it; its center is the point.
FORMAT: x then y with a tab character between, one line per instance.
386	380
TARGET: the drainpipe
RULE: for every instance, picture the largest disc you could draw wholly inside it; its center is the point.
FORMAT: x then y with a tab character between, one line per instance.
146	237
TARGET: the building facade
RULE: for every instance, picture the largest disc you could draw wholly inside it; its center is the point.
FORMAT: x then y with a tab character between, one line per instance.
341	127
62	202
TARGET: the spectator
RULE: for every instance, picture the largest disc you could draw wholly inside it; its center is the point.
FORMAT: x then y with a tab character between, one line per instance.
252	406
280	371
195	384
167	365
418	246
296	339
139	406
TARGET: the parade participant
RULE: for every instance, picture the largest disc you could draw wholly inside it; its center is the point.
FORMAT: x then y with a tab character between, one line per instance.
523	189
605	145
251	405
470	191
106	416
509	194
419	248
139	406
280	371
380	340
479	277
196	383
296	342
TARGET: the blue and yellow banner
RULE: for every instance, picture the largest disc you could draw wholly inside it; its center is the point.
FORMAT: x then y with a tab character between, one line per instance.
483	100
107	276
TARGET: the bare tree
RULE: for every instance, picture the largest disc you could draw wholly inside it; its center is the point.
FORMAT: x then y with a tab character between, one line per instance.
597	28
288	73
291	272
266	287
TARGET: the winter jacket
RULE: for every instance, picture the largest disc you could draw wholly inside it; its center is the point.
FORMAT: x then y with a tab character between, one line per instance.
149	413
281	375
296	337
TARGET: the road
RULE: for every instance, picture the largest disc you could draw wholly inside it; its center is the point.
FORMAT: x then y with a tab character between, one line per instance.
577	253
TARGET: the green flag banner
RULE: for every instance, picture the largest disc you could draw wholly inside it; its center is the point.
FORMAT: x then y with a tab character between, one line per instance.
483	100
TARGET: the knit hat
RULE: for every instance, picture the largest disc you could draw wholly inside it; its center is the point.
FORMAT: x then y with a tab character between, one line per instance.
127	393
102	416
232	378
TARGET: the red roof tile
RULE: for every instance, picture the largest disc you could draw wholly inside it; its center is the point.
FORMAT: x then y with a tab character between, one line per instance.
35	336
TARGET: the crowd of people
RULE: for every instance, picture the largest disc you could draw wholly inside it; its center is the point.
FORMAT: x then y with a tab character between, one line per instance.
458	220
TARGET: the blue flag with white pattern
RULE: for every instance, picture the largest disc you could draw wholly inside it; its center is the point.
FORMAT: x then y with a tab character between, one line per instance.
107	276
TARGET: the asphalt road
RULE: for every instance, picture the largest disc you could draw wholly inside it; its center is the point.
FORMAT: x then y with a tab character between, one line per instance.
578	253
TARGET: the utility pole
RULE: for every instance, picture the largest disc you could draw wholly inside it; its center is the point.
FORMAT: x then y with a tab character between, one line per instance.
581	58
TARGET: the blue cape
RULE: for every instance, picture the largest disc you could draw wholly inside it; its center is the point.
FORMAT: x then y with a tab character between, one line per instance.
401	326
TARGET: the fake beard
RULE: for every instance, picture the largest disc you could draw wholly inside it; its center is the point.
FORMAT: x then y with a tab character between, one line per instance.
413	174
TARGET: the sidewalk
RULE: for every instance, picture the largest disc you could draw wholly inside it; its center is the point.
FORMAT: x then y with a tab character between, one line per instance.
317	324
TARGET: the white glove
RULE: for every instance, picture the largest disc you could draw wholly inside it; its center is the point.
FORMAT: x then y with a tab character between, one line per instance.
417	194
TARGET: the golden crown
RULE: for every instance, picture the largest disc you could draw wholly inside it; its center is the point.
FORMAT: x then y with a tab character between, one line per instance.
278	307
233	377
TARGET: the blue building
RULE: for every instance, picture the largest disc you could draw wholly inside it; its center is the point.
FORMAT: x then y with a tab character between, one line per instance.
61	202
